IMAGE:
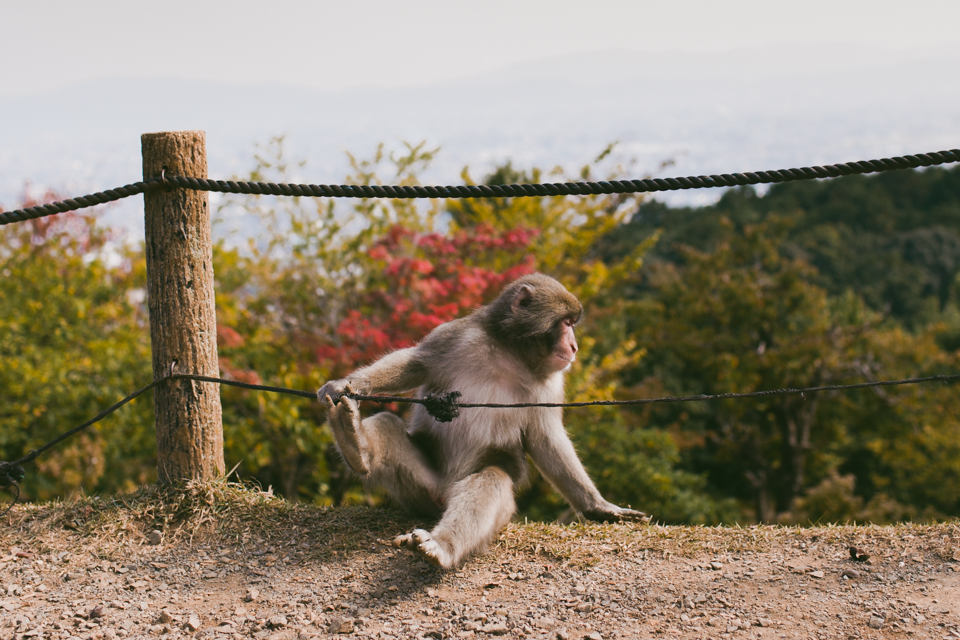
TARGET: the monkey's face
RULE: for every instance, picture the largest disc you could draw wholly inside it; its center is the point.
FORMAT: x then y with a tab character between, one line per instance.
565	348
534	318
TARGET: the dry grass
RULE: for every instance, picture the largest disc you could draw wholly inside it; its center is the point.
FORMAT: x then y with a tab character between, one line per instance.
196	513
231	513
588	544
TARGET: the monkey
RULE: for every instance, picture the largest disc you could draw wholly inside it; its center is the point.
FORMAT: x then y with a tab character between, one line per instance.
514	350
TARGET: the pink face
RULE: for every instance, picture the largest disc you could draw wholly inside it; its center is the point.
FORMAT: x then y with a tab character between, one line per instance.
565	352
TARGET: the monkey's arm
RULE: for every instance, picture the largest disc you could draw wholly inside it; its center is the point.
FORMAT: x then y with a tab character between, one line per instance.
396	372
550	449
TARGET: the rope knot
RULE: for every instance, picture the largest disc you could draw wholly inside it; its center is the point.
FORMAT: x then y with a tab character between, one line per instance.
444	407
10	478
10	475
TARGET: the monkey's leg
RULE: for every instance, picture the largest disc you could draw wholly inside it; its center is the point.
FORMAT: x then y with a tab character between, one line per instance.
478	507
344	418
381	452
398	466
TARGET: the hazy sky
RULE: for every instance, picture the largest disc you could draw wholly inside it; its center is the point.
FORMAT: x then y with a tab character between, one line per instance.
50	44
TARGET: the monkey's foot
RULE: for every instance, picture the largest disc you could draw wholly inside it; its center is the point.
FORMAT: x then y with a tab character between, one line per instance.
344	418
422	543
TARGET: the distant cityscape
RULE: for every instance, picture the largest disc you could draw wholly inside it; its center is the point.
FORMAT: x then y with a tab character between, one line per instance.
688	110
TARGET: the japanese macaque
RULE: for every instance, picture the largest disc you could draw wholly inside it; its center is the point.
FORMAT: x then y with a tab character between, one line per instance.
465	472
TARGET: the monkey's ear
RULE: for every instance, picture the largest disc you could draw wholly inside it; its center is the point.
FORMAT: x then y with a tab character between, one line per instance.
522	298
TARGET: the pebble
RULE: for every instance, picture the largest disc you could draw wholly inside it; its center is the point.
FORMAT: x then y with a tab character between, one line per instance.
716	566
341	625
252	594
817	574
593	636
495	629
277	621
546	623
859	555
850	573
876	622
154	537
193	622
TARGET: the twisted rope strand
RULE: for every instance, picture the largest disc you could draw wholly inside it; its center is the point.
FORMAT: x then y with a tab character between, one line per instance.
647	185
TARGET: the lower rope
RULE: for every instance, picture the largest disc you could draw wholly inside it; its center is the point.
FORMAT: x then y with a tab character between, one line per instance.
443	407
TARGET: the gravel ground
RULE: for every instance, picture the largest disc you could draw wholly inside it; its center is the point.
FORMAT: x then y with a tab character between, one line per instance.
263	568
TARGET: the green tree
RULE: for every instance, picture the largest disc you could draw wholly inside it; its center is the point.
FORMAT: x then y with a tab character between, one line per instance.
892	239
73	340
744	316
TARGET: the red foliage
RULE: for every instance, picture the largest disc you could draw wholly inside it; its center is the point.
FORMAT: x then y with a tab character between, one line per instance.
424	281
230	372
227	337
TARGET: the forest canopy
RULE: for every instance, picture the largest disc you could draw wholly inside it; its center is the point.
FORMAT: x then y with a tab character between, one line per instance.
810	283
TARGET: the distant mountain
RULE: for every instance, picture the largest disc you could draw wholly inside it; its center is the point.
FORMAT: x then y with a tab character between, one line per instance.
735	111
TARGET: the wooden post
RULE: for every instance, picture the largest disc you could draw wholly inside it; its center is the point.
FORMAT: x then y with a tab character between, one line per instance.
183	323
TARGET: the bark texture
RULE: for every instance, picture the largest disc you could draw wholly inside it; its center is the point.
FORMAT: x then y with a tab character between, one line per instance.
183	324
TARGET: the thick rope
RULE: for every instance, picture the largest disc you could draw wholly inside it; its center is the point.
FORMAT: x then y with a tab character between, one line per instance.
647	185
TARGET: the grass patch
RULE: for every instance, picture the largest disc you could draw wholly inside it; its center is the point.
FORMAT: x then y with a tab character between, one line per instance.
227	513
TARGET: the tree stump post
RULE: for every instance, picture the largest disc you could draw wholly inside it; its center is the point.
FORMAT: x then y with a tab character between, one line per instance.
183	324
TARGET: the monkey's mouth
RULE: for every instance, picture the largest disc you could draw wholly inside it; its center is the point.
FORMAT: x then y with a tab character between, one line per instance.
564	361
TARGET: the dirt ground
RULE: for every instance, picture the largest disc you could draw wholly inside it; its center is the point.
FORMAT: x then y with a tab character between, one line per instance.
234	564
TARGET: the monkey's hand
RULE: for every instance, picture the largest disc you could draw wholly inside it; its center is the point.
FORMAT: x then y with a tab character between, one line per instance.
344	417
609	512
334	389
